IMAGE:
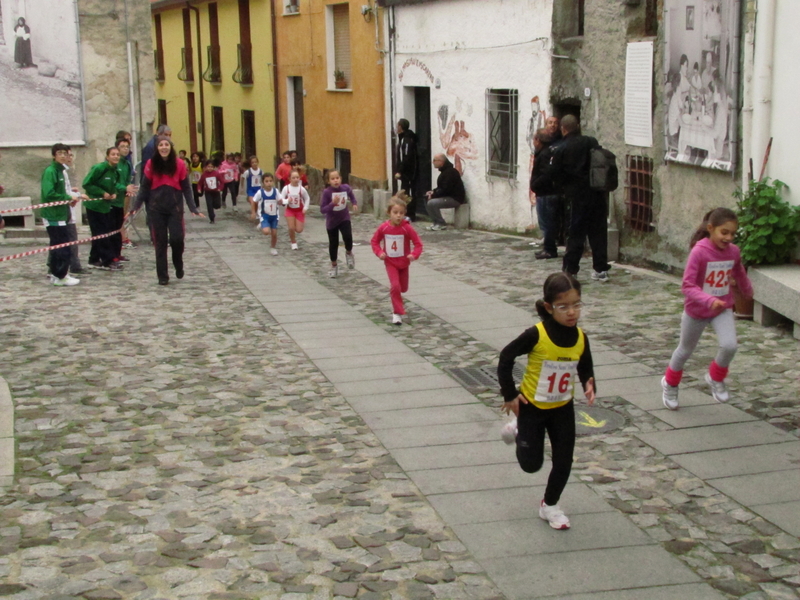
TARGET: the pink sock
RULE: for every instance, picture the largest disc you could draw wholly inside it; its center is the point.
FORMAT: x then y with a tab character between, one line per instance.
717	373
673	377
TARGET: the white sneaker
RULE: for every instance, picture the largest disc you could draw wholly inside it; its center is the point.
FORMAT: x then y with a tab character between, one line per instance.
334	272
509	431
274	252
553	515
601	276
669	395
351	261
436	227
51	278
718	389
235	209
66	281
294	246
397	319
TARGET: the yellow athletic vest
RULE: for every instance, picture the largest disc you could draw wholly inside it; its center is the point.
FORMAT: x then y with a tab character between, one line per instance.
549	380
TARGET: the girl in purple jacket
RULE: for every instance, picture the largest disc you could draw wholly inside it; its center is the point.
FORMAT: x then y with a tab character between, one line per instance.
336	203
713	267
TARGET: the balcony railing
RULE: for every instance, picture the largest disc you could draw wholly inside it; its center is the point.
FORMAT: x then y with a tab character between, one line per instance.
244	72
158	57
213	72
187	69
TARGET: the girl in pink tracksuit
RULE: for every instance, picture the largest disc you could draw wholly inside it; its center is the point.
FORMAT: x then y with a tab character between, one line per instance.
392	244
713	267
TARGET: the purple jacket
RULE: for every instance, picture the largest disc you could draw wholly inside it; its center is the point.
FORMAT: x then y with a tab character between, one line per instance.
333	204
707	278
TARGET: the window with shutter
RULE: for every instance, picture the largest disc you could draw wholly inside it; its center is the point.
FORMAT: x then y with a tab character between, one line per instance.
341	43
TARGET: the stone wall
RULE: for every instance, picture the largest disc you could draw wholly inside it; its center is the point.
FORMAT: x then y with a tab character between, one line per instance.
106	91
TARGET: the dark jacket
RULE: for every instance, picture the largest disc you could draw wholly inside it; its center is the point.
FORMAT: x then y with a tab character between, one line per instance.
571	162
407	156
165	193
149	150
541	177
449	184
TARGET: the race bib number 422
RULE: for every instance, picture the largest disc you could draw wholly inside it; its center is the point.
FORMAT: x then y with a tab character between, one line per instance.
717	281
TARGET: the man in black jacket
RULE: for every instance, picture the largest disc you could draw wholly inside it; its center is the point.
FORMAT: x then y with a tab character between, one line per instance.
406	169
571	162
548	201
449	192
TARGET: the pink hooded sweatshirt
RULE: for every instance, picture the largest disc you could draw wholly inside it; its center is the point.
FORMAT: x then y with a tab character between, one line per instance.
708	276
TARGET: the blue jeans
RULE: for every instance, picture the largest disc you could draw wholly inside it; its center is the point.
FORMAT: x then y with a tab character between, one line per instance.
548	214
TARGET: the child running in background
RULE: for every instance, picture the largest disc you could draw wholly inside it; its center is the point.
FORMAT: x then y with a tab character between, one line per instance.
252	181
334	205
296	199
210	186
284	170
713	266
195	172
392	244
265	210
558	354
229	171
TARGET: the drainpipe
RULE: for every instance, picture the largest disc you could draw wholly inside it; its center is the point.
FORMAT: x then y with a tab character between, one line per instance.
762	80
200	76
131	85
748	24
276	95
392	117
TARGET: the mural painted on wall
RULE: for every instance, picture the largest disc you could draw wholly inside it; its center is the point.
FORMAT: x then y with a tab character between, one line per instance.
457	142
40	73
700	63
535	123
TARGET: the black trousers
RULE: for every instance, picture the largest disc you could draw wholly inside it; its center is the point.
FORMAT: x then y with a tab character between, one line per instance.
559	424
232	188
587	219
102	251
212	201
59	259
117	218
167	229
333	239
406	184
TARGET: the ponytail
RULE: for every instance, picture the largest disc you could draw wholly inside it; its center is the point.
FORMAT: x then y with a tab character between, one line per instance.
715	218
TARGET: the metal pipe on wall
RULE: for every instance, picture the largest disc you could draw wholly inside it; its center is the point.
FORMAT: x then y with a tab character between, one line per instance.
200	76
762	80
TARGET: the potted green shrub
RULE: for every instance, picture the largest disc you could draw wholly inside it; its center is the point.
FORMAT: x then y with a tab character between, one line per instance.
340	80
768	228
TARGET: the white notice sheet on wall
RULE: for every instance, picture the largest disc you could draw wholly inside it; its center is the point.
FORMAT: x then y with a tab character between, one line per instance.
639	94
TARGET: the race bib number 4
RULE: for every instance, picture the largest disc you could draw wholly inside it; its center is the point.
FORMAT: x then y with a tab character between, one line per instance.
195	178
717	281
395	245
556	381
339	200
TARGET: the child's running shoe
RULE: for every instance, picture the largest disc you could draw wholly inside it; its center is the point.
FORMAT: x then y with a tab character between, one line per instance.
553	515
718	389
294	246
334	272
509	432
351	260
669	394
274	252
397	319
65	281
128	244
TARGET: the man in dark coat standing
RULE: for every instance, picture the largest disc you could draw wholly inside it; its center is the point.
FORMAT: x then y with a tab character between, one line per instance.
406	170
588	211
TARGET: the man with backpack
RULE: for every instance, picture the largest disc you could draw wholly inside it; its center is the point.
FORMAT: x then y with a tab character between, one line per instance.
572	172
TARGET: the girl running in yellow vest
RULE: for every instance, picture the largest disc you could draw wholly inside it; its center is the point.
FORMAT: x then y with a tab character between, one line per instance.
558	355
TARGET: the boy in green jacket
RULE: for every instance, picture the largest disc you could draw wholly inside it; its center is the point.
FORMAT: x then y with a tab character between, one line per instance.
101	185
55	218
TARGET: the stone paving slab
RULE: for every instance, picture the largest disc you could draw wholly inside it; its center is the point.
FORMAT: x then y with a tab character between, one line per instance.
398	384
715	437
325	326
571	573
472	478
360	374
702	415
741	461
440	434
652	400
609	357
391	362
689	591
454	455
521	323
533	536
512	504
389	347
413	417
621	371
631	385
761	488
336	337
783	514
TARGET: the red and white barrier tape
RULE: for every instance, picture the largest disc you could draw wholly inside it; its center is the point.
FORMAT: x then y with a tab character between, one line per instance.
57	246
45	205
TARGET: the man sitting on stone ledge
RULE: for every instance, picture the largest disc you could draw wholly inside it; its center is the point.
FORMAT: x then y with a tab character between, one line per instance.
449	192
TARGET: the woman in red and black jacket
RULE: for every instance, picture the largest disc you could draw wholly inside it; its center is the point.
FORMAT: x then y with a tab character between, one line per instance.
165	185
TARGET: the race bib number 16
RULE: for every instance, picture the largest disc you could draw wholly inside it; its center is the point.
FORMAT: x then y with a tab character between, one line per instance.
556	381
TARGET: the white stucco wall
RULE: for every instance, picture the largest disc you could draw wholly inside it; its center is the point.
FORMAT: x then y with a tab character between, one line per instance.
783	162
461	48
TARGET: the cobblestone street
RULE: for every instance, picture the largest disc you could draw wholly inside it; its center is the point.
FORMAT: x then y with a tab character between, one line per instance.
177	442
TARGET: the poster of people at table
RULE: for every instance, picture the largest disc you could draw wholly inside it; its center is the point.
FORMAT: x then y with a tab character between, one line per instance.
40	73
701	81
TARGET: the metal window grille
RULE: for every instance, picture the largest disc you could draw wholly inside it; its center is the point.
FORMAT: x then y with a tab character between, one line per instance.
213	72
639	192
187	66
502	117
244	72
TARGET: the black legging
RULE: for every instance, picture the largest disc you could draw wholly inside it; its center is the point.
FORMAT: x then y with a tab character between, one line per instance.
167	229
333	239
559	423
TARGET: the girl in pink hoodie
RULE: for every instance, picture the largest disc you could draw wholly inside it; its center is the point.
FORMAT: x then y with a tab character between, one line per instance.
230	177
392	244
713	267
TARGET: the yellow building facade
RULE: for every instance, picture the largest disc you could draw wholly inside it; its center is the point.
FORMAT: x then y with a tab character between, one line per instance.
330	81
215	75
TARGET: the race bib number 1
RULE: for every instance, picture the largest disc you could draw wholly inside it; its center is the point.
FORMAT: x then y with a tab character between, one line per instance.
717	281
394	245
556	381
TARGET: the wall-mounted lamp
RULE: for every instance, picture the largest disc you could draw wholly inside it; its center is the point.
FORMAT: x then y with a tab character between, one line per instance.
366	12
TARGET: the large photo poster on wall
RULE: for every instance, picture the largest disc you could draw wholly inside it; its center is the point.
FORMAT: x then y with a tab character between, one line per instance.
40	75
701	66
